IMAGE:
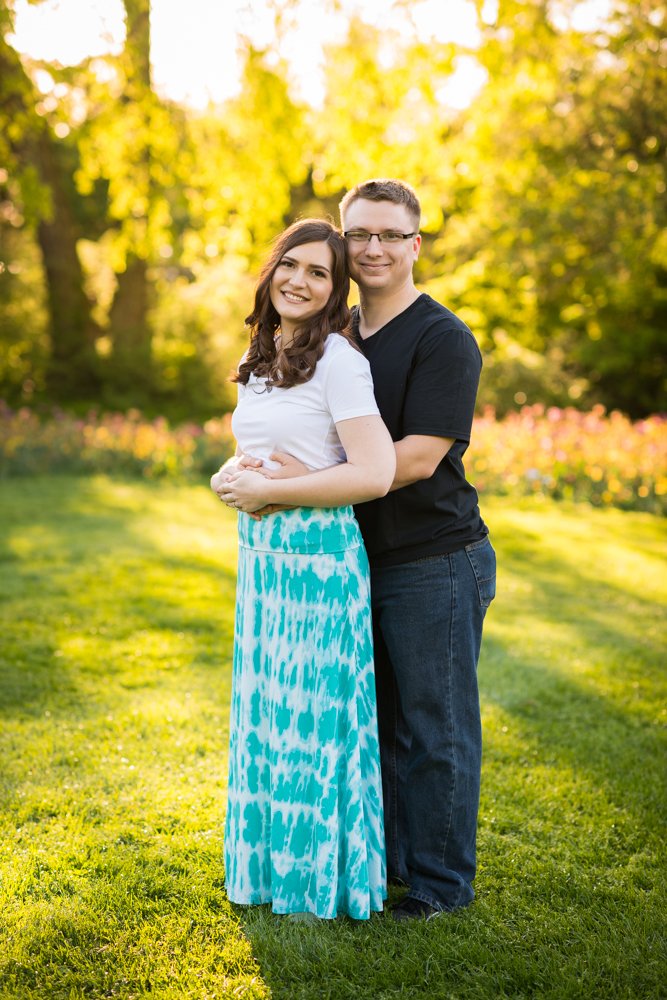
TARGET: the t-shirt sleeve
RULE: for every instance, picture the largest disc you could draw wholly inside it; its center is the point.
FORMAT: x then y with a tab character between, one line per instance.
348	386
442	386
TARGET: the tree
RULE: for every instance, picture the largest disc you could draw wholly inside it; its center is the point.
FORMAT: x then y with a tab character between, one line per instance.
554	247
544	203
29	150
117	144
381	116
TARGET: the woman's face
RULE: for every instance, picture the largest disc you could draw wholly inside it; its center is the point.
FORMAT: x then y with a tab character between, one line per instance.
302	284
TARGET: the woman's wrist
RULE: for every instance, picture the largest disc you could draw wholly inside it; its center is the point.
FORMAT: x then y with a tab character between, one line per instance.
284	490
271	492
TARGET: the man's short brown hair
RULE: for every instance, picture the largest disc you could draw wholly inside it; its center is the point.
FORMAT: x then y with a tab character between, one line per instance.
385	189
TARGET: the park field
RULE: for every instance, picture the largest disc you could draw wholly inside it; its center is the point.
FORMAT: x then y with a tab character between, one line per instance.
115	670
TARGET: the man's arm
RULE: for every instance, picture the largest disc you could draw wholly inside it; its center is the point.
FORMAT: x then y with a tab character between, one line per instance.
417	457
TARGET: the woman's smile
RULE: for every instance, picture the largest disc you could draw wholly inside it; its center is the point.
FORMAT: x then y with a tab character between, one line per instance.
308	267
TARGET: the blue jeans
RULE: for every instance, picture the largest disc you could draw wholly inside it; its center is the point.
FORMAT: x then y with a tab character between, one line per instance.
427	625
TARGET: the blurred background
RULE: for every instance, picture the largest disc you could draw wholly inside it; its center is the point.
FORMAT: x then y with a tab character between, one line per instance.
148	154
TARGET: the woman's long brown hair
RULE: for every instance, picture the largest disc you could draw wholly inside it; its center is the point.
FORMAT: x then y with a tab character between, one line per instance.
295	364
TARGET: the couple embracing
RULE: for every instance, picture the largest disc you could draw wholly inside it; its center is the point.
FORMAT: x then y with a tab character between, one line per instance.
365	572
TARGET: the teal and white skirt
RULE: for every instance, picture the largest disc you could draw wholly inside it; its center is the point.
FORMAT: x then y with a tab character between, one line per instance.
304	826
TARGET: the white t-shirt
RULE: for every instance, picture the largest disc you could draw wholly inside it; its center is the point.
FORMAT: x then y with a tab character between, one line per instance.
301	421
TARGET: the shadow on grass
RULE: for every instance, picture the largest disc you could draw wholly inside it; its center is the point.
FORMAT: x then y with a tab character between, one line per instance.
64	537
594	720
619	750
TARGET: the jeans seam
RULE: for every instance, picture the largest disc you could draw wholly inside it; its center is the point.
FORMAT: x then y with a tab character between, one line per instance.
452	575
478	581
394	780
477	545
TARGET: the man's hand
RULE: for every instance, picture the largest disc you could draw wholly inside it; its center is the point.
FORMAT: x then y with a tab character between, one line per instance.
271	508
290	467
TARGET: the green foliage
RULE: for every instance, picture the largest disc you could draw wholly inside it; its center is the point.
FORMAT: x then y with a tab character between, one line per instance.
117	620
544	202
249	160
24	336
199	336
18	124
380	121
134	147
557	232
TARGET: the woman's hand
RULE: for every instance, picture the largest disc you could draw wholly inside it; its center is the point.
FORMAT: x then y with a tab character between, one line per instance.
247	491
290	467
231	465
368	472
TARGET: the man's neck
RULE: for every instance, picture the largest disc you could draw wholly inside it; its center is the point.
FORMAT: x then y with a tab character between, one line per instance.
378	306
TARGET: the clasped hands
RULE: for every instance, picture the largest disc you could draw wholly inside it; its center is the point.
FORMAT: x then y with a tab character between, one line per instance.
244	483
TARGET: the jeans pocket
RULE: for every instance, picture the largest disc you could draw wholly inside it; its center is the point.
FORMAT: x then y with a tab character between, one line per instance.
482	558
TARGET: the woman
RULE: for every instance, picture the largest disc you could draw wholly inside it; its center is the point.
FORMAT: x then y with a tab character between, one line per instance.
304	819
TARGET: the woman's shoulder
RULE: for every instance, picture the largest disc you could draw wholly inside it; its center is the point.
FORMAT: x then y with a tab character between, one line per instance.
341	361
336	345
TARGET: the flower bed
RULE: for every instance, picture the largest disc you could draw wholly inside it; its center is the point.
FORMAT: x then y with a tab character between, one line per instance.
560	453
112	443
564	453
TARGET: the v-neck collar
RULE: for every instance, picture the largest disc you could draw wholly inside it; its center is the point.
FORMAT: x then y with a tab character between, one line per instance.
401	315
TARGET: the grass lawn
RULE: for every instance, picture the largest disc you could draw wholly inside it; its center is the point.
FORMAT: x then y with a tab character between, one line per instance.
116	605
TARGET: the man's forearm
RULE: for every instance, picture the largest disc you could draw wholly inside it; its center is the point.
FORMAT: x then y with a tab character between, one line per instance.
417	458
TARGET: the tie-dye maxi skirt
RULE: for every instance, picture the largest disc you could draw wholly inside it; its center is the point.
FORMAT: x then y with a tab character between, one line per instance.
304	826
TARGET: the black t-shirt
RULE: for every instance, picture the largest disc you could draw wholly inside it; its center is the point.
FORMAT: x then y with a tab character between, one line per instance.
426	365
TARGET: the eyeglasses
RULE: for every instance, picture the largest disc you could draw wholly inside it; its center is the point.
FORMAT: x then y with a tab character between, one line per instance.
360	236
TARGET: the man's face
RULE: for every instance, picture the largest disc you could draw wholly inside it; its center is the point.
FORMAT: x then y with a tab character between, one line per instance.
377	265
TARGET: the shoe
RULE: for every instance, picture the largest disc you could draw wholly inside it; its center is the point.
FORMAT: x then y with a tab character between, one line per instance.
413	909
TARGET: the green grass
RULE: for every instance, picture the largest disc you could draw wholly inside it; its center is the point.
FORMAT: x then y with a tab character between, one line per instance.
116	603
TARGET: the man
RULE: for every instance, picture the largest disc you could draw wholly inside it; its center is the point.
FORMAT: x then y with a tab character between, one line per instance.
432	565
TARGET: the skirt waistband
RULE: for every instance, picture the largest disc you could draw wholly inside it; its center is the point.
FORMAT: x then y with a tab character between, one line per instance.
303	531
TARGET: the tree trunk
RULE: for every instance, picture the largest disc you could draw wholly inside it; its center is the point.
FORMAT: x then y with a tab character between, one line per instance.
137	49
71	371
130	366
128	315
